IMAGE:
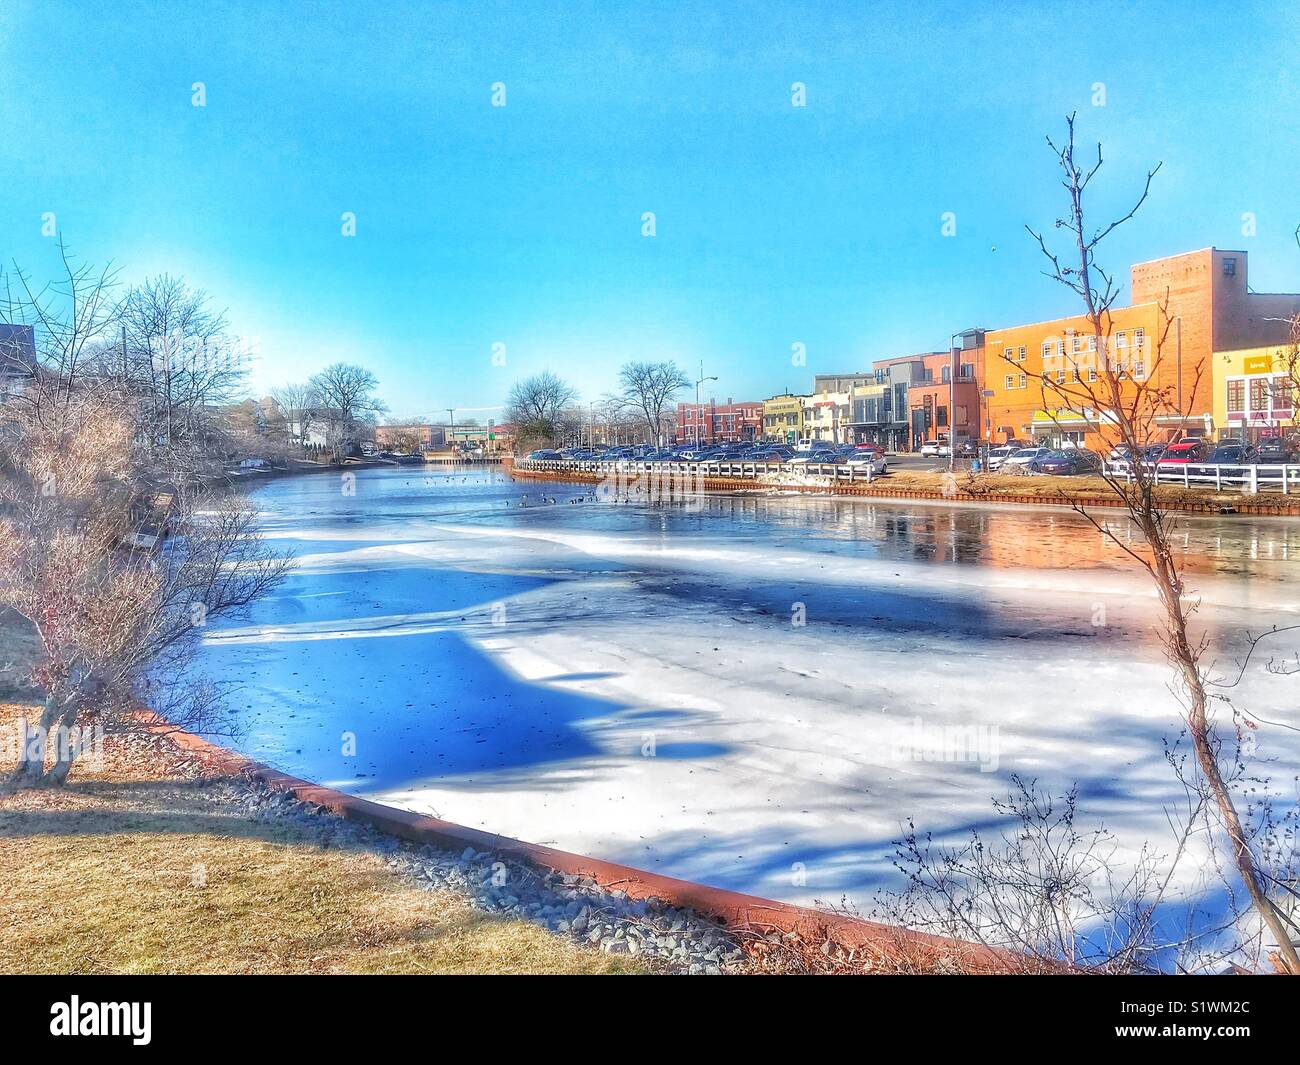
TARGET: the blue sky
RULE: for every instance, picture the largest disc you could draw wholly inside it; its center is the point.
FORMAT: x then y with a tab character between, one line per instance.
521	224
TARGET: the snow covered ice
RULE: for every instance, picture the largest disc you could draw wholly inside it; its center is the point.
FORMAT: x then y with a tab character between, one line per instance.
632	682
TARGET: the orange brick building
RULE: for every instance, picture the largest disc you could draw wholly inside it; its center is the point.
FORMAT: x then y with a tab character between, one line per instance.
1198	302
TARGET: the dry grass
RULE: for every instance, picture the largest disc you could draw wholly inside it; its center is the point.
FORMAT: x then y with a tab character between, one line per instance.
144	867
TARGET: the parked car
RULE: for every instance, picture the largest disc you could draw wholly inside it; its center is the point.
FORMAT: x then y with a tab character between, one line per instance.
1067	462
999	455
1233	453
1022	457
934	448
544	453
1183	452
1274	449
817	456
864	458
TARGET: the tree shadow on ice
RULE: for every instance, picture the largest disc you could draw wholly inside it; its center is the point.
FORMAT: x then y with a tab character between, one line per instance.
367	714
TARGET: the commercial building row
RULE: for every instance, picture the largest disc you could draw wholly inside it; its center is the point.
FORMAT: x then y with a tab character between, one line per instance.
1216	358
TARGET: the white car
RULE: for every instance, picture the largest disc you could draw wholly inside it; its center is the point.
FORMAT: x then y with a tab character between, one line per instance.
867	459
935	448
999	455
1022	457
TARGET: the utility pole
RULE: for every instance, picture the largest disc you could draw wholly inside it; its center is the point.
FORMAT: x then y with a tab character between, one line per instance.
954	364
699	413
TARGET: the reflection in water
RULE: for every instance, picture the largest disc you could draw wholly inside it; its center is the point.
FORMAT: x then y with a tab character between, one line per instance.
1042	537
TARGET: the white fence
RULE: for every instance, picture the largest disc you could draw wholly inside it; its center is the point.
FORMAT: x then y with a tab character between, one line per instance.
1250	479
774	471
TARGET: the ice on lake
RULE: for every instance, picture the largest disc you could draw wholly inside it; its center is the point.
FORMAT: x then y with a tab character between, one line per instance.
755	692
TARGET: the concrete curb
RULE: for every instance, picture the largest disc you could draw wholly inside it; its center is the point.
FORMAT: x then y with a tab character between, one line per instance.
898	947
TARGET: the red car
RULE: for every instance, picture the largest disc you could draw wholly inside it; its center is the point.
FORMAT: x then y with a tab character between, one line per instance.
1183	452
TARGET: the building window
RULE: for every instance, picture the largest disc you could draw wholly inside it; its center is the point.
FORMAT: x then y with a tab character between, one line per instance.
1229	267
1047	349
946	374
966	371
1282	402
1076	344
1121	339
1092	342
941	417
1023	381
1139	338
1139	370
1007	353
1259	394
1236	397
1007	382
1023	352
1060	377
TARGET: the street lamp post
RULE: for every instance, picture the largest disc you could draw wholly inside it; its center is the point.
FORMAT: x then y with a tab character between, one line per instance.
699	381
954	362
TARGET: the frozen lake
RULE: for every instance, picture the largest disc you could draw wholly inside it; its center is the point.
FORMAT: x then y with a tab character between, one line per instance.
634	683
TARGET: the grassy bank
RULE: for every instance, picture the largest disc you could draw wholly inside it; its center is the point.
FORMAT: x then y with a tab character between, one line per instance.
150	864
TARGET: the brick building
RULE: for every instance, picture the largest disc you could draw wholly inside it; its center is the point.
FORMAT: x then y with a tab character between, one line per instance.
718	423
414	437
1183	309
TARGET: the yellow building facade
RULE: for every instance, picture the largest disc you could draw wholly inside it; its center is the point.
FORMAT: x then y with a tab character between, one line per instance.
783	418
1254	392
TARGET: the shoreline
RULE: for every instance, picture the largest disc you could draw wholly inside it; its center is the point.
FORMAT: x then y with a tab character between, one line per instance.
735	912
1246	507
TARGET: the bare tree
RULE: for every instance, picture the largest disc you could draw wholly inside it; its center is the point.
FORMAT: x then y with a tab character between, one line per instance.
177	351
617	420
536	406
298	402
348	402
109	548
1128	402
72	317
650	387
1291	382
403	435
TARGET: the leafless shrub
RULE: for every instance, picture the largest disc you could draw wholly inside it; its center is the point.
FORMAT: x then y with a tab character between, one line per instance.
111	545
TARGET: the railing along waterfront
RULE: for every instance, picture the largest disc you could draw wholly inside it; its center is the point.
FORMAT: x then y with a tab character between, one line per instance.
737	469
1250	478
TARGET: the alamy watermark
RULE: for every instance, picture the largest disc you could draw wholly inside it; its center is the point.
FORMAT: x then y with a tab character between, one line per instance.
668	485
918	742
